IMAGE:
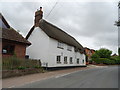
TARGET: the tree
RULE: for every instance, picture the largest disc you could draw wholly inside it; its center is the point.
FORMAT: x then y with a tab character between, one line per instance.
104	53
95	56
119	51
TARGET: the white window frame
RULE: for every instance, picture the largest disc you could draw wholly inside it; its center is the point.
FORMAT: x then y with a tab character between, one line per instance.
58	61
78	61
69	48
65	60
60	45
71	59
83	61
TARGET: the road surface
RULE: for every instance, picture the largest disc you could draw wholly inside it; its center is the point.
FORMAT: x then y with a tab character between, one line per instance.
99	77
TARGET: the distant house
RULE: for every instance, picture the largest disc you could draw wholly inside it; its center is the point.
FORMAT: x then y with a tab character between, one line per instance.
89	53
11	42
53	46
114	55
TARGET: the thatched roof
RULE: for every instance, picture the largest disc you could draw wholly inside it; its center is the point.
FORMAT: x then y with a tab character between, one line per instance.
56	33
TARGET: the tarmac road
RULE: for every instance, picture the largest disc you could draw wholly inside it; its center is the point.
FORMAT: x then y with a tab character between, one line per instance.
99	77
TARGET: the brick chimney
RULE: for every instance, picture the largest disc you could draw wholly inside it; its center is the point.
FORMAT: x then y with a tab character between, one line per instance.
38	16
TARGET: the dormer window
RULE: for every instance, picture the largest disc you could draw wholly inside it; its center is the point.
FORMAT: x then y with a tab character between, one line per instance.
69	48
60	45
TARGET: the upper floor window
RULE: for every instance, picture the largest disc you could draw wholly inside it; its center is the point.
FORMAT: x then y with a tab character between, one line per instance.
60	45
69	48
65	60
71	62
58	59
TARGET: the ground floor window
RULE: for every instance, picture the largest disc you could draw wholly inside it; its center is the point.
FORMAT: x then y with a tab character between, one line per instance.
8	49
65	60
58	59
78	61
71	62
83	60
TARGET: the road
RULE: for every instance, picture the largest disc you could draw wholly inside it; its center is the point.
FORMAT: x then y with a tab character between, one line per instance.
99	77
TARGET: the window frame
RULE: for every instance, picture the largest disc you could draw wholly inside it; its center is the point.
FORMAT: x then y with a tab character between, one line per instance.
65	60
58	59
10	48
69	48
71	59
60	45
78	61
83	61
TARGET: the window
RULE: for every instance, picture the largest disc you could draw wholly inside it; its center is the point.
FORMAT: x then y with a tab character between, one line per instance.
65	60
83	61
71	62
8	49
78	61
58	59
69	48
60	45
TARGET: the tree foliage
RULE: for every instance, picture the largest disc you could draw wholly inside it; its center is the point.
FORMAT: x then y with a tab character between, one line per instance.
119	51
104	56
95	56
104	53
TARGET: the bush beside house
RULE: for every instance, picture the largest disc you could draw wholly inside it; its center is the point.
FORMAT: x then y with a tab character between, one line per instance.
103	56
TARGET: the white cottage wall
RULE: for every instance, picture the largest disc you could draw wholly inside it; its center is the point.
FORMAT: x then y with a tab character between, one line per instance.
45	49
39	47
54	51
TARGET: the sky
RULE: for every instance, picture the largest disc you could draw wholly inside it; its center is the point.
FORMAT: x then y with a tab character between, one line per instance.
90	22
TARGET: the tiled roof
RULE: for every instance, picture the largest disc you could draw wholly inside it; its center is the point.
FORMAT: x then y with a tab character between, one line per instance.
12	35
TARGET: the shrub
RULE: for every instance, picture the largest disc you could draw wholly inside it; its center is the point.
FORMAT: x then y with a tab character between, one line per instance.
37	66
105	61
17	63
21	68
10	62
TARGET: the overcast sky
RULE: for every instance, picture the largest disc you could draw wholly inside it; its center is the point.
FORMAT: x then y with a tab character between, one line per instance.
91	23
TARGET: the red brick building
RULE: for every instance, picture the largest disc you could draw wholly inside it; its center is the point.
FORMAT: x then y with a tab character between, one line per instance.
11	42
89	53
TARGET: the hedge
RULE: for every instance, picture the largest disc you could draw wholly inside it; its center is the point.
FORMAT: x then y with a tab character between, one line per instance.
107	61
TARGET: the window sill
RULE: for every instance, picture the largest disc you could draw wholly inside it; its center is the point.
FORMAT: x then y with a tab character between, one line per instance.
65	63
7	54
58	62
60	47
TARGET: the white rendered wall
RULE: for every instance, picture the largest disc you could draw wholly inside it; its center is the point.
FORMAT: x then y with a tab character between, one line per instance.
45	49
39	47
54	52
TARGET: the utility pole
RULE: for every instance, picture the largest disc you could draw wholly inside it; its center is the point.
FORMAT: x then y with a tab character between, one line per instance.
117	23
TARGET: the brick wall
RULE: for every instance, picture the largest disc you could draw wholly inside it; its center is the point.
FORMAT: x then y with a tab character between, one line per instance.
20	50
